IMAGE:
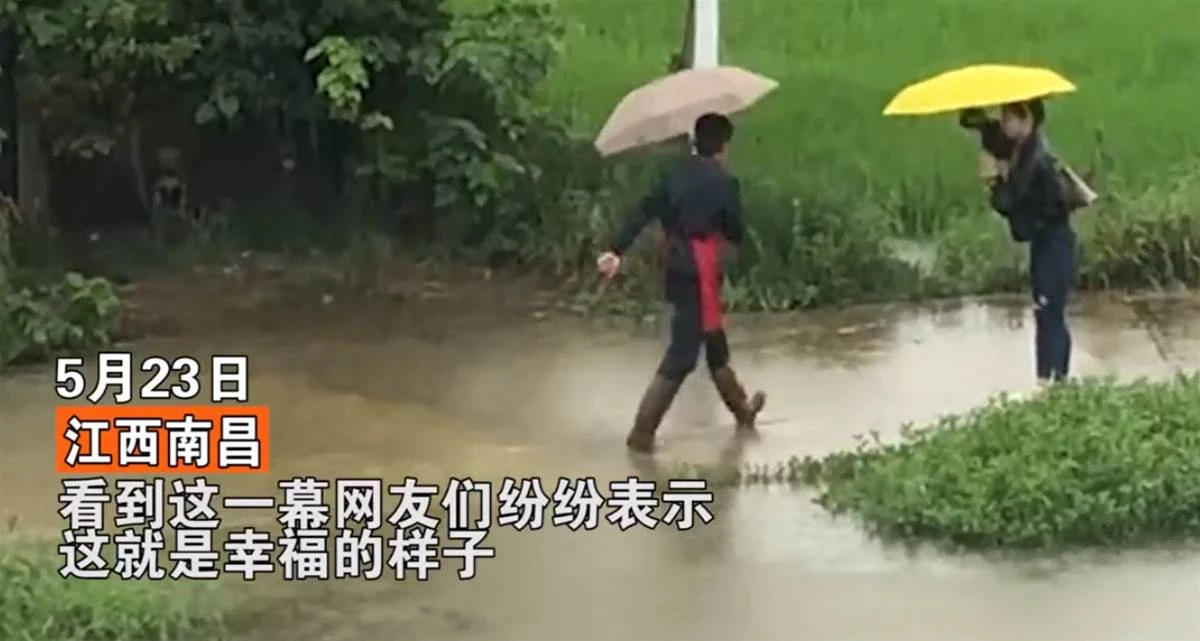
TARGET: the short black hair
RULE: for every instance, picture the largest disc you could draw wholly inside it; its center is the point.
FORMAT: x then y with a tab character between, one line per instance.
1034	109
712	132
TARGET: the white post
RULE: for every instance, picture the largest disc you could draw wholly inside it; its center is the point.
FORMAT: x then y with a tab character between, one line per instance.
706	34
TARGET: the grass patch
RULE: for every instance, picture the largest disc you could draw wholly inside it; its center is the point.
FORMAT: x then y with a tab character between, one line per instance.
36	604
1091	463
814	251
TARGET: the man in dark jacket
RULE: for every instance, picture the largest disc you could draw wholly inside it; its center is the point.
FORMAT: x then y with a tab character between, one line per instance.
1032	198
698	204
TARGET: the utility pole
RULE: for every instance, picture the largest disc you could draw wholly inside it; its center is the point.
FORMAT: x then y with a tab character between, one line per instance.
701	41
701	36
706	32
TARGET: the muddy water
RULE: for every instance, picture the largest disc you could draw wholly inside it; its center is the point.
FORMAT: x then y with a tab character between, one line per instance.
396	396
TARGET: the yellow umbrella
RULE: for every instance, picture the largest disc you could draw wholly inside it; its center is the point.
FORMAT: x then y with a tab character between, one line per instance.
976	86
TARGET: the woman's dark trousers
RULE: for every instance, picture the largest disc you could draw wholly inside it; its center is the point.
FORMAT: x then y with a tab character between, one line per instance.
1051	273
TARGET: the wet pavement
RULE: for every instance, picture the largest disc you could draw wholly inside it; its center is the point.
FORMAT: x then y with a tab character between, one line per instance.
396	397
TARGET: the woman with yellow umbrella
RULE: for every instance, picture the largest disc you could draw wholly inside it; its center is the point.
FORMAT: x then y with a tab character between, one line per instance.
1029	188
1031	197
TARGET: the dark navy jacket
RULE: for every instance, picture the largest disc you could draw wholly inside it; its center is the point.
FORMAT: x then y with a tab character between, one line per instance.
696	198
1031	198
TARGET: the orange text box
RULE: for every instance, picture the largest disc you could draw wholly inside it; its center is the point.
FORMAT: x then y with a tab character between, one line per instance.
162	439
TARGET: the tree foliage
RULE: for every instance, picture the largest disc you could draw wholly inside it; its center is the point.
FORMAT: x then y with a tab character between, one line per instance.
400	109
404	95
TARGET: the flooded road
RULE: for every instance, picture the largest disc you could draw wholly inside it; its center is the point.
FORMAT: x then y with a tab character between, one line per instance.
391	395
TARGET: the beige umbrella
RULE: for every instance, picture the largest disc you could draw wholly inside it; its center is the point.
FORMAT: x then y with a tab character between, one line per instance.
669	106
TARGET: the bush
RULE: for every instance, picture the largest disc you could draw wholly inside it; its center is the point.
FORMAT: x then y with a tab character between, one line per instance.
36	604
1129	240
1145	239
815	251
73	314
40	316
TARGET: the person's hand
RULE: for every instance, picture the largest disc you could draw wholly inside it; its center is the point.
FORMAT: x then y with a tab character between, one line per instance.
608	263
989	167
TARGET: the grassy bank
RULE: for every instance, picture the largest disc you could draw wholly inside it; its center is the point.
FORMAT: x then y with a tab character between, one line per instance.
1094	463
36	604
810	250
839	61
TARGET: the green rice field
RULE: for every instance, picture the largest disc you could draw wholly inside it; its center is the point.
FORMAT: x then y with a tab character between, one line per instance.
1134	119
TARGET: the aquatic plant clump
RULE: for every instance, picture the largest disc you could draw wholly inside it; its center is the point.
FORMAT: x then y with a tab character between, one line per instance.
36	604
1092	463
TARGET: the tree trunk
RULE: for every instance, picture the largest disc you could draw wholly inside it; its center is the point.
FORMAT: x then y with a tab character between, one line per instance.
9	49
683	59
33	169
137	165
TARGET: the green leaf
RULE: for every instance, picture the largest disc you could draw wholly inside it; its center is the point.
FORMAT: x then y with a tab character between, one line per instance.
508	163
229	105
205	113
376	120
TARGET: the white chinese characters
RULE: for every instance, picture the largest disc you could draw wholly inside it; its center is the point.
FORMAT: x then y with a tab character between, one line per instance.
120	424
345	529
227	379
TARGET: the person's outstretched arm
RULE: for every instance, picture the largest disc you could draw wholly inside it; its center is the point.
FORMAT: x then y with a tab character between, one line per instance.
650	207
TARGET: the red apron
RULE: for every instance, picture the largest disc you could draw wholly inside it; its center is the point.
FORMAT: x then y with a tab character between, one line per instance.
706	253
